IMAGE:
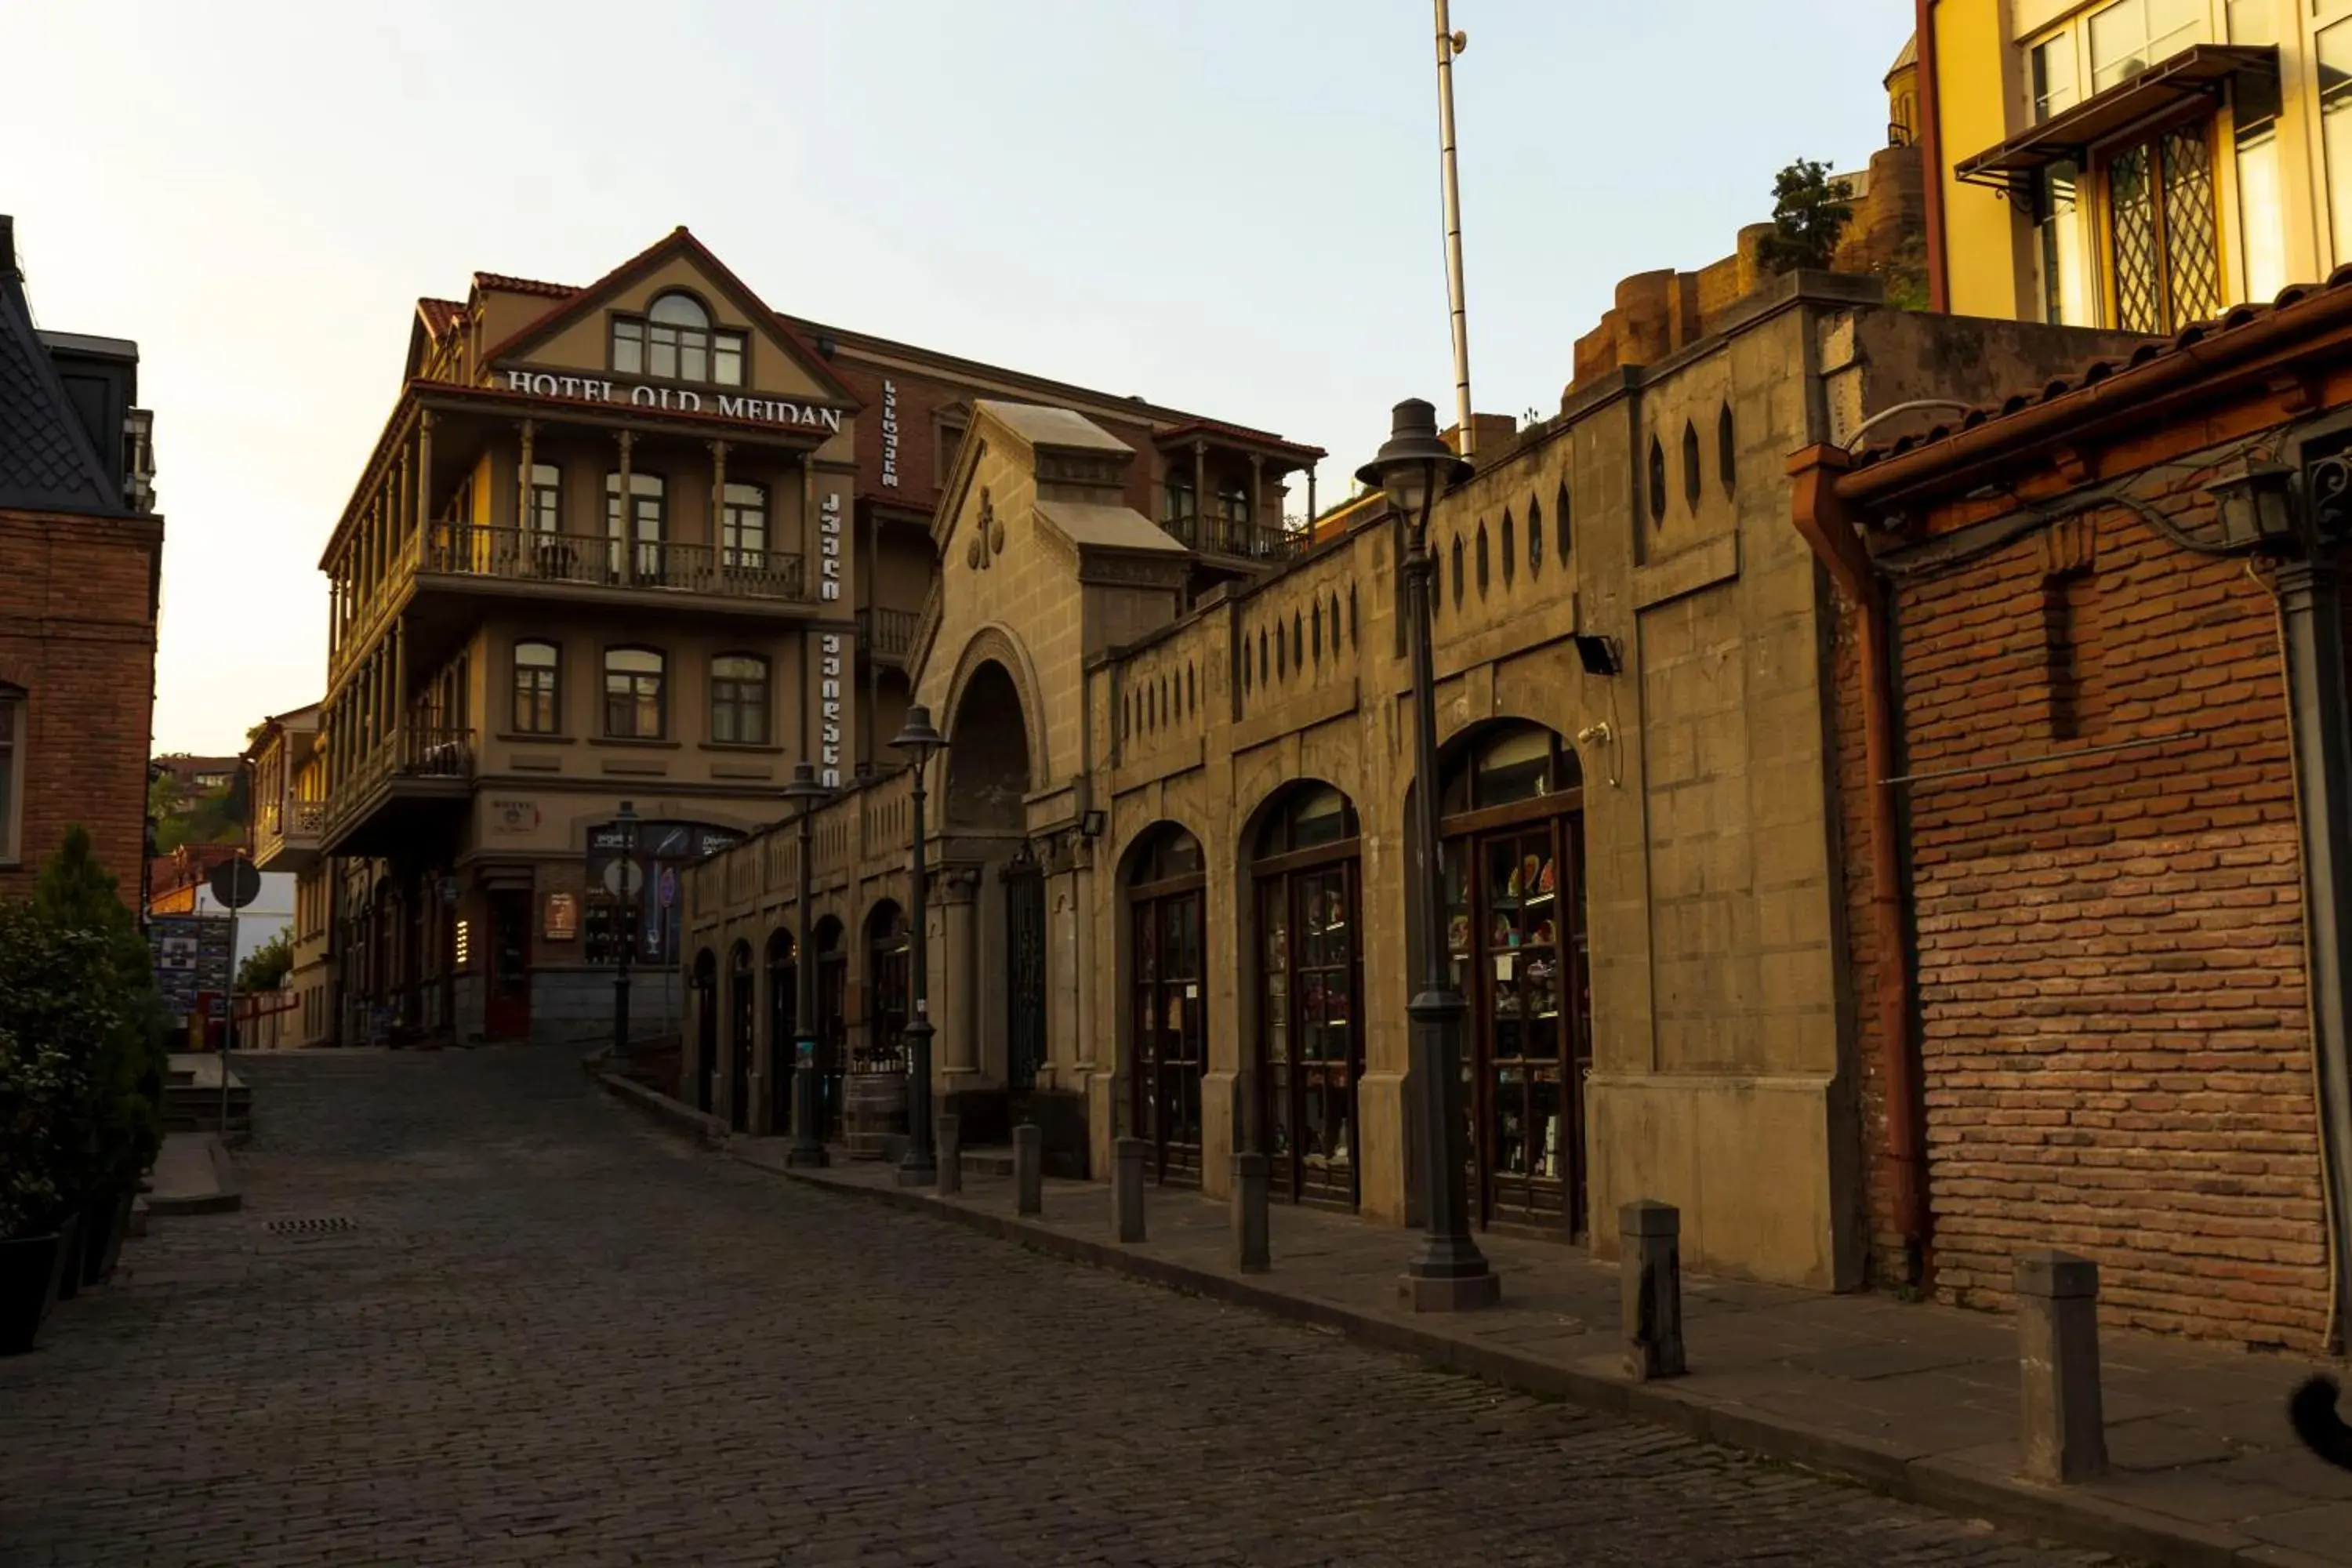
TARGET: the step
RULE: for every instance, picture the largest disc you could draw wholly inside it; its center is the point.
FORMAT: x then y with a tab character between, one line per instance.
989	1160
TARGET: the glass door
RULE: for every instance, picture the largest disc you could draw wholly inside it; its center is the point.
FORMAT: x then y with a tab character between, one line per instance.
1312	1052
1171	1038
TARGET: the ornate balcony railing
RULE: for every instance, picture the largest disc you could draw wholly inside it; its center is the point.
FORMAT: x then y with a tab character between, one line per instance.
890	632
414	751
527	556
1230	536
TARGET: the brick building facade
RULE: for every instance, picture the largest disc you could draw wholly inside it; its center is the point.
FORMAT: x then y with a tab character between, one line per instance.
2102	1031
80	558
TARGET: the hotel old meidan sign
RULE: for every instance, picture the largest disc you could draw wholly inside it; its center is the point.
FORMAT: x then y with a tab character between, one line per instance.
677	399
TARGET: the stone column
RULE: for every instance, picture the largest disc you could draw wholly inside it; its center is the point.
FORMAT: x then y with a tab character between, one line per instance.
1311	496
959	949
1199	494
2062	1424
1256	502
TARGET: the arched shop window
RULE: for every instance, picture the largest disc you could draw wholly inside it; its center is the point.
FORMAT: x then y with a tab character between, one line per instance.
1311	1049
1513	829
1166	888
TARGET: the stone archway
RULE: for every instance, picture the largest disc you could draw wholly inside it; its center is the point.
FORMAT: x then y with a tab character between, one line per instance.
988	770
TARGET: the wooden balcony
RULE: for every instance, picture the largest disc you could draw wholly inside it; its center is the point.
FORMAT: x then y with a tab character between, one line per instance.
286	834
416	783
1226	540
889	634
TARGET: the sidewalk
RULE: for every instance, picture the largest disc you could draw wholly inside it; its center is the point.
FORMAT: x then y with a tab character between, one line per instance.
1918	1401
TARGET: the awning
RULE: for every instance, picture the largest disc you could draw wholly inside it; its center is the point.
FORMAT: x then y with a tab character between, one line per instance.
2202	71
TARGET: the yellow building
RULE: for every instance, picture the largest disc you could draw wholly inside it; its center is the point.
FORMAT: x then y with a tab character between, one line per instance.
2134	165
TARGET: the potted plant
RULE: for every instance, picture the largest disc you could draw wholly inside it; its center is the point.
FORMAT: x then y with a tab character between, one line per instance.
57	1000
113	1132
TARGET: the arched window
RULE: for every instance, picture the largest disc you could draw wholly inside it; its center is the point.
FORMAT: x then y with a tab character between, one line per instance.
538	689
1510	549
1166	889
634	549
1690	465
674	341
1457	571
1658	483
1726	450
1297	642
783	1026
1535	538
1309	982
1315	636
1482	558
1260	656
1559	522
739	699
832	1018
743	528
635	701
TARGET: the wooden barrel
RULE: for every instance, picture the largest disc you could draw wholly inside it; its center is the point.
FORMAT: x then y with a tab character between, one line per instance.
874	1110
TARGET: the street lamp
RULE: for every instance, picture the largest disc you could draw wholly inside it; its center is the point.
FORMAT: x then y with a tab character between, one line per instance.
919	1167
625	895
1450	1273
808	1148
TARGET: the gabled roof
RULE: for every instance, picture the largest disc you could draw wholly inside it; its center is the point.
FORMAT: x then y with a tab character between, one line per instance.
46	461
1059	427
440	315
680	241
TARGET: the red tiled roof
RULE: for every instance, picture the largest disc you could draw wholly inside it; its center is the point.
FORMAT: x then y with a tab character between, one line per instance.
500	281
440	315
2103	378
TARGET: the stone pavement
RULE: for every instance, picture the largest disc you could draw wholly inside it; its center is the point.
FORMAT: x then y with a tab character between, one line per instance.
1918	1400
475	1312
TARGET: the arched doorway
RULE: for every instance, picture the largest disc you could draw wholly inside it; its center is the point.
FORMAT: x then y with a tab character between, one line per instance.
1512	805
1167	890
783	982
741	1013
988	755
1311	1051
705	1029
832	1029
887	943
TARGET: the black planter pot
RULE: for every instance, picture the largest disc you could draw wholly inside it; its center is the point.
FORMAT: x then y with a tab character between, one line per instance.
28	1283
107	1221
69	1240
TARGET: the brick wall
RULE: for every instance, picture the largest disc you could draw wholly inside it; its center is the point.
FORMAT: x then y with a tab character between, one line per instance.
78	633
2110	982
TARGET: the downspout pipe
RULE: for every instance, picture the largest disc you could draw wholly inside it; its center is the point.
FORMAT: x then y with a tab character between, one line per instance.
1821	519
1931	159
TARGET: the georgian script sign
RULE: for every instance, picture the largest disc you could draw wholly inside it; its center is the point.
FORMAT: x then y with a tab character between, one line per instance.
677	399
890	433
829	709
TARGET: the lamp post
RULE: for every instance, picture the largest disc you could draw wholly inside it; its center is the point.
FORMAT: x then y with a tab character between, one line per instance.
919	1166
1450	1273
626	937
808	1148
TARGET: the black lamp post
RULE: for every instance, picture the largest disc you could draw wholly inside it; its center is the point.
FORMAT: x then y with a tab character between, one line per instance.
919	1167
624	936
1450	1273
808	1147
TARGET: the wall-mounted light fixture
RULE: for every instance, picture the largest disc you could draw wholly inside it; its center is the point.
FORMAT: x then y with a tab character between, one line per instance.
1092	822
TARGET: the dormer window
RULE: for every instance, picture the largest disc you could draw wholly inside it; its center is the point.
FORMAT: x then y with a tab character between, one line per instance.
674	341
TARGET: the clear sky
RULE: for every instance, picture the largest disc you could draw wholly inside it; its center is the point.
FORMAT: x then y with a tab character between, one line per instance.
1227	205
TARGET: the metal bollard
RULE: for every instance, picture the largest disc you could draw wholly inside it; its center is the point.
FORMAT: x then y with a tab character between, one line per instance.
1028	1166
1127	1159
948	1141
1649	1263
1251	1223
2062	1423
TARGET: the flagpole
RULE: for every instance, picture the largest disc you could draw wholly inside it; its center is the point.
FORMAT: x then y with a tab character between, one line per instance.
1449	44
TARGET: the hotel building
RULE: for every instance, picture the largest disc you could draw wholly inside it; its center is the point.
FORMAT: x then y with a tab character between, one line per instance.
647	541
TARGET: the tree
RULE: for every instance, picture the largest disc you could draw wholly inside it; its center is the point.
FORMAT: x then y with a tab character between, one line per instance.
268	963
1809	212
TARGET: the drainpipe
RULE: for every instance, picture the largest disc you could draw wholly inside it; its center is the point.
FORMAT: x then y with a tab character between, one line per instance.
2311	623
1931	158
1902	1161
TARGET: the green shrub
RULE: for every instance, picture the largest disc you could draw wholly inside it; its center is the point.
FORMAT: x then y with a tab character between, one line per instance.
63	1028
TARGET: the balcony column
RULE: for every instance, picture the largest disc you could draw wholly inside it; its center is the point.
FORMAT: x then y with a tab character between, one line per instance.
1310	499
1256	520
718	490
1200	495
424	475
628	548
523	519
398	711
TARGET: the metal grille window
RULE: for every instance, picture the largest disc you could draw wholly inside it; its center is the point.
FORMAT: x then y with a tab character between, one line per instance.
537	709
739	699
2160	211
633	693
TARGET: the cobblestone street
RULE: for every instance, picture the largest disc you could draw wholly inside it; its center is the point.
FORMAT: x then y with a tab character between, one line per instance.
553	1335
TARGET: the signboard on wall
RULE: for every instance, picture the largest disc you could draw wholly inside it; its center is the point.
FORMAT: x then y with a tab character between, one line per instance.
636	858
561	921
192	954
829	709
